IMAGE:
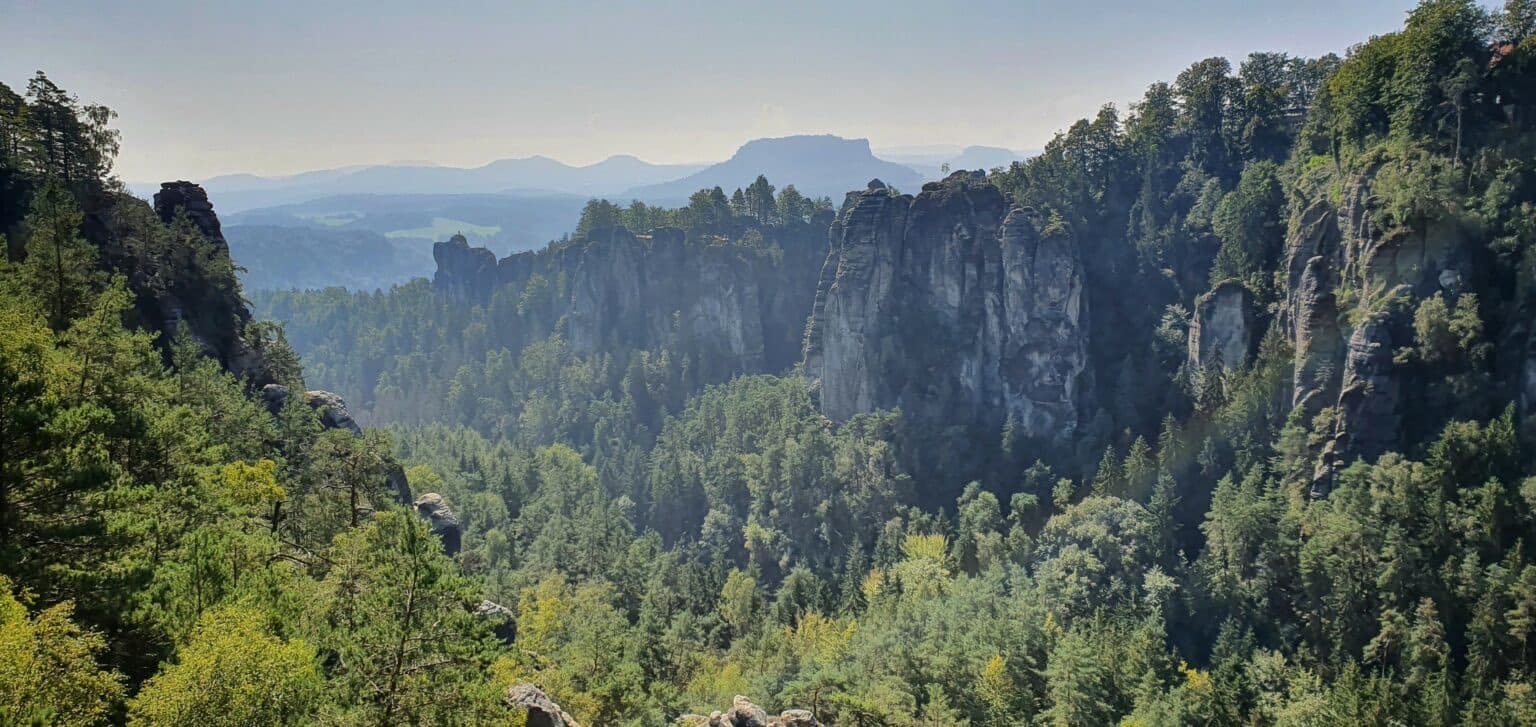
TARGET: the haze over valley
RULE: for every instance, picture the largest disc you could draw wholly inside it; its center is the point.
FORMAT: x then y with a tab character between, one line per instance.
862	365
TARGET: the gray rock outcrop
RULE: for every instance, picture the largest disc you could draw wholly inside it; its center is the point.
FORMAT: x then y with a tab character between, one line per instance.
333	410
1348	283
501	619
209	311
953	307
736	308
463	272
541	711
1224	329
743	713
445	523
333	413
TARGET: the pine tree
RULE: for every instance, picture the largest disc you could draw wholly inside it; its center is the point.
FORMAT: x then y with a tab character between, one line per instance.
60	267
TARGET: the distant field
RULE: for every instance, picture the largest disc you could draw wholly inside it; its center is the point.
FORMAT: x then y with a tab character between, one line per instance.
443	227
332	219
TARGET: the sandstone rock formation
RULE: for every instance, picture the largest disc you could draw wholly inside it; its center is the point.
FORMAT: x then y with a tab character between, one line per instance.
210	312
190	198
333	411
735	308
1347	284
334	415
445	523
1368	417
1224	329
540	709
464	273
953	307
743	713
503	622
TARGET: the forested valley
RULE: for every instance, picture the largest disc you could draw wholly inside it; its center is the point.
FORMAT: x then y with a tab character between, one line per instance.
1219	411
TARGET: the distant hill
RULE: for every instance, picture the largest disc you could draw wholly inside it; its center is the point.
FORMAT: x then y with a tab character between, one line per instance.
930	162
817	165
536	174
280	258
505	223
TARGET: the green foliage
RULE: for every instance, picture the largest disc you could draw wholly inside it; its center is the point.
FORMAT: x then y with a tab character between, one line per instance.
669	534
48	667
391	616
232	672
60	267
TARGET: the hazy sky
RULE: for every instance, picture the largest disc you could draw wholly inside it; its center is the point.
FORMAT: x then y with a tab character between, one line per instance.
213	86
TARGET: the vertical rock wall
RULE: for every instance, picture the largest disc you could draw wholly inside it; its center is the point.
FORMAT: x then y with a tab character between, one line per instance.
952	307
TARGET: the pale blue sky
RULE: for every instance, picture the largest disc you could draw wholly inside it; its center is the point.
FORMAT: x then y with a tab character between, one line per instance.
214	86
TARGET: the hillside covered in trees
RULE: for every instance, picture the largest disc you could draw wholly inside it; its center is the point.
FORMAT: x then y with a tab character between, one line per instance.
1218	411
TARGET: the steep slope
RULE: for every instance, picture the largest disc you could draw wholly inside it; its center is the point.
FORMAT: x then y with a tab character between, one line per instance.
953	307
737	307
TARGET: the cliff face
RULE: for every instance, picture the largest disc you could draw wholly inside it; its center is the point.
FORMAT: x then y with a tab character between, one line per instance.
952	307
211	310
737	307
1224	330
1346	350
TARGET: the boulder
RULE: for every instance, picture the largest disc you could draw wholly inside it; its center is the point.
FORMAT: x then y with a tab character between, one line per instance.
503	621
333	411
541	710
743	713
445	523
274	397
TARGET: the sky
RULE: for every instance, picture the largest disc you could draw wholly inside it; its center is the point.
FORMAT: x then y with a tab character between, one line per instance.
206	87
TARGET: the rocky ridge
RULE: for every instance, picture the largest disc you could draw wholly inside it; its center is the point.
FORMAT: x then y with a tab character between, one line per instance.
1349	285
954	307
740	308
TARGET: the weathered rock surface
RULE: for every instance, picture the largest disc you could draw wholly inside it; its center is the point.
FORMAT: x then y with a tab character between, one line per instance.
743	713
464	273
190	198
737	308
953	307
210	312
1224	330
503	622
445	523
1336	251
1368	418
333	410
541	710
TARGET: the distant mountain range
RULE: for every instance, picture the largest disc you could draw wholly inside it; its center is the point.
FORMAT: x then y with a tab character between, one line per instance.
930	162
816	165
370	226
536	175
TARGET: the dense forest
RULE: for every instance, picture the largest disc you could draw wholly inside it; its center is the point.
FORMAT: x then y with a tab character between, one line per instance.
1216	412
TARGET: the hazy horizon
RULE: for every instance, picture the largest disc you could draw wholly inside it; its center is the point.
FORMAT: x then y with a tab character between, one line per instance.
291	87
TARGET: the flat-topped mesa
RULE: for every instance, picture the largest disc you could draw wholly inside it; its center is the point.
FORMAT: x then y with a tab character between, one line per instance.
953	307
